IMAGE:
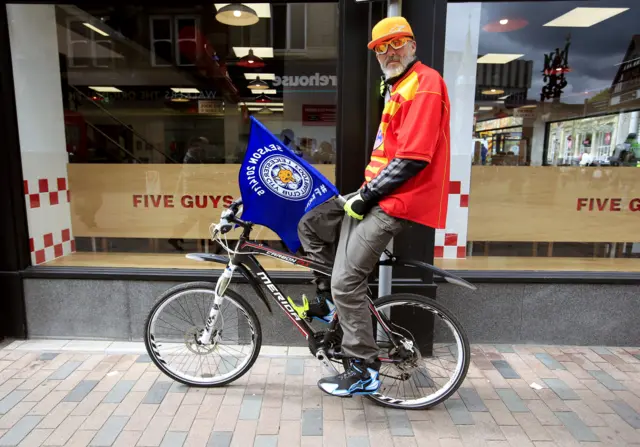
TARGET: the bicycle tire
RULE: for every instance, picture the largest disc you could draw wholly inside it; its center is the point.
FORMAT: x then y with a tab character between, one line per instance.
234	296
464	339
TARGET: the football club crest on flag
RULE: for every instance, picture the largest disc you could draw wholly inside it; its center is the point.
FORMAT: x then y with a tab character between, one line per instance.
278	187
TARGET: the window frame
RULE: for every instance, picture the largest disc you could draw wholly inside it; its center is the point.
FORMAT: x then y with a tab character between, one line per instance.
153	40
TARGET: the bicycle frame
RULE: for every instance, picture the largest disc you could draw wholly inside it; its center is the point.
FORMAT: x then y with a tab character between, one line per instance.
244	258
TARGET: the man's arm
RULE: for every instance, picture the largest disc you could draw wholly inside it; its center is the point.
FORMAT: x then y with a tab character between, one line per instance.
391	178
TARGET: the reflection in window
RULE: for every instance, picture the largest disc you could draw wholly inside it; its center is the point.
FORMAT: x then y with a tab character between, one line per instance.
551	98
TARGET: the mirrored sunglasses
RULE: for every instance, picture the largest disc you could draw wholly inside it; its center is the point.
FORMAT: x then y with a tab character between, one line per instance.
396	44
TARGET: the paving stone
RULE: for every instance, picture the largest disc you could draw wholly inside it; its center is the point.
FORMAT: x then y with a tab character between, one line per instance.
157	393
472	400
20	430
11	400
58	415
177	387
505	349
512	401
608	381
561	389
549	361
312	422
599	350
505	369
516	436
65	371
399	423
295	367
532	427
577	427
227	418
67	428
356	424
109	432
119	392
542	412
81	391
588	416
266	441
628	414
487	428
459	413
173	439
250	408
594	402
220	439
127	439
129	404
48	356
501	413
143	359
358	441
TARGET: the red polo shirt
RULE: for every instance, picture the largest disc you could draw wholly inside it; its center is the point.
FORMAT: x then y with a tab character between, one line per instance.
415	125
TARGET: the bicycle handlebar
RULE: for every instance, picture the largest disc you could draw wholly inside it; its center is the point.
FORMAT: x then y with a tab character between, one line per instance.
228	218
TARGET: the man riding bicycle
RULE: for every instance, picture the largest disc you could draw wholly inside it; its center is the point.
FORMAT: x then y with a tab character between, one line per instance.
407	180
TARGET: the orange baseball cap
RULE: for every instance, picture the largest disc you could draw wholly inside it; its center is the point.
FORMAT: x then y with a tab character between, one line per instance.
389	28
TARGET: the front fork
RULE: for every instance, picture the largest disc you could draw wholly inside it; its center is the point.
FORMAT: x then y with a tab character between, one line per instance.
221	288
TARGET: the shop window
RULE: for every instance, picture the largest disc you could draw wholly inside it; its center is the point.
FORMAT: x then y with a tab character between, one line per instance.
174	40
87	44
140	161
292	18
551	165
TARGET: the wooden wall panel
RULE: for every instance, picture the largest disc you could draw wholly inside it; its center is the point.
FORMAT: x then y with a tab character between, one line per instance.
542	204
155	200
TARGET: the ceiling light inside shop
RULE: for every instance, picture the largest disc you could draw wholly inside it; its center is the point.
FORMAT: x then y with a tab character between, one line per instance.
256	104
106	89
505	25
263	52
258	84
585	17
492	91
498	58
263	10
485	108
255	109
504	97
251	61
180	99
263	76
185	90
95	28
237	14
268	91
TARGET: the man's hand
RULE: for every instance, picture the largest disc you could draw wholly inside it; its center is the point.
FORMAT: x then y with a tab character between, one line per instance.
356	207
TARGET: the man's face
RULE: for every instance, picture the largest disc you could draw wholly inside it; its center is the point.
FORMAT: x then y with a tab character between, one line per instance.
395	61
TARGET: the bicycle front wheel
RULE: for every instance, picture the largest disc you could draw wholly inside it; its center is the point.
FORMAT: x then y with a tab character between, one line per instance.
174	327
432	363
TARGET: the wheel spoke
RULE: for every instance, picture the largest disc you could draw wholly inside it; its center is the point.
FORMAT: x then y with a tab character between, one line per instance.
420	381
178	348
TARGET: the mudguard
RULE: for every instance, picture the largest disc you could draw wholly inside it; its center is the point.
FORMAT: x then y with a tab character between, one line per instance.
450	278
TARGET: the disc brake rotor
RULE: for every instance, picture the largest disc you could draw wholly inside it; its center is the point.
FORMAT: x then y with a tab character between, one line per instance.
192	341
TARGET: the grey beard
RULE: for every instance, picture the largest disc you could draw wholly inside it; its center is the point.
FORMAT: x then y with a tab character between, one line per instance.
393	72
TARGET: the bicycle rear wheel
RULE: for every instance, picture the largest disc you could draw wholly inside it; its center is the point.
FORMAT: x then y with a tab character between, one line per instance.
423	374
175	324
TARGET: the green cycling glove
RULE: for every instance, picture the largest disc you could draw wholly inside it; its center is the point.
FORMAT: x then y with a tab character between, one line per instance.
356	207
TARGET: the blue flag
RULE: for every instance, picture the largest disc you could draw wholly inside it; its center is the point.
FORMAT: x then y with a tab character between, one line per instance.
278	187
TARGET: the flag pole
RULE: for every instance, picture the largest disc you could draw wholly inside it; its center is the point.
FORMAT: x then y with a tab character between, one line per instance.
394	8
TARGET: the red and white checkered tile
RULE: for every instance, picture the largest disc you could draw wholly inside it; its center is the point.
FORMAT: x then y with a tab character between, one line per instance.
51	246
43	191
451	243
48	214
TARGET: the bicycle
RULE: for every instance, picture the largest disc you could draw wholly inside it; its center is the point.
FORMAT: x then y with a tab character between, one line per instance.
217	363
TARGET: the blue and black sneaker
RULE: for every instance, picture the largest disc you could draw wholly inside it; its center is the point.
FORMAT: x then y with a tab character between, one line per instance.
359	378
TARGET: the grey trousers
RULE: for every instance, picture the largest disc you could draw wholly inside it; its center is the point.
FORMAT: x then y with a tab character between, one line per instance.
328	235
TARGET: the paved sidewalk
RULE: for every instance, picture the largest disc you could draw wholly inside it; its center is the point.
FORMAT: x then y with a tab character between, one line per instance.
101	393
